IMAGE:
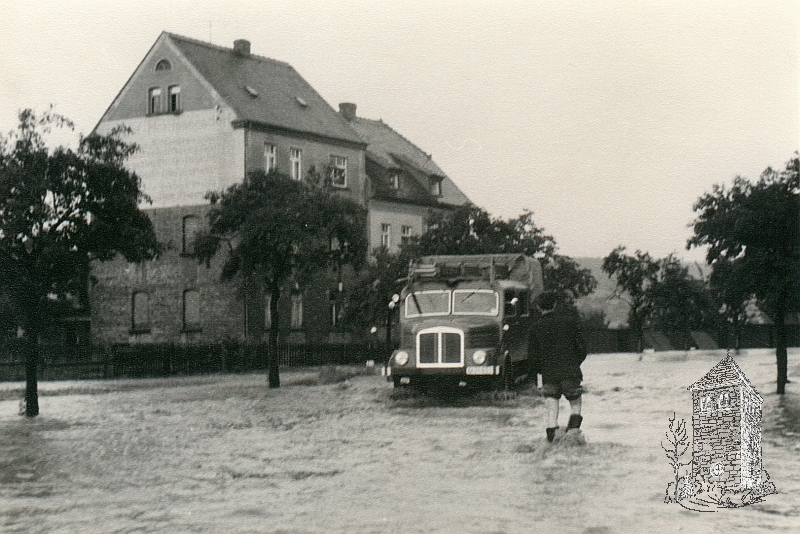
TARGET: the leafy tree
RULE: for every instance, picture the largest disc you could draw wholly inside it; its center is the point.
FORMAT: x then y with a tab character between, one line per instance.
634	275
471	230
467	230
677	301
756	226
278	230
732	290
59	210
366	303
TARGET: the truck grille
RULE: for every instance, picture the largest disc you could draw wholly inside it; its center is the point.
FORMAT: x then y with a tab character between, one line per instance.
441	346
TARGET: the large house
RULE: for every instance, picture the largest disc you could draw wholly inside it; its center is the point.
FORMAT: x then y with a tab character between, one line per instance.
204	116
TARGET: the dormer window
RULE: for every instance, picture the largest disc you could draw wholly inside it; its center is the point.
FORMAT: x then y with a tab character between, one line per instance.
163	65
436	186
174	98
394	180
154	100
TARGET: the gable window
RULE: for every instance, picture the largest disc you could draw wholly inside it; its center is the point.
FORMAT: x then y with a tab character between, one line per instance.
436	187
338	171
297	311
394	180
296	163
191	225
163	65
191	310
386	235
140	311
405	234
270	157
175	98
154	101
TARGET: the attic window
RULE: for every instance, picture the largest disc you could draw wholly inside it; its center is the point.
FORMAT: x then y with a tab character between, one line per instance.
436	186
250	90
163	65
301	102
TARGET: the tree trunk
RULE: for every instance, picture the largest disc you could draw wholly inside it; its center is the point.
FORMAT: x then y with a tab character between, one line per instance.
780	350
273	375
32	366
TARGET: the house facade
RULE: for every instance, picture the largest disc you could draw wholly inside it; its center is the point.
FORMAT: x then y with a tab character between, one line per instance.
204	116
726	421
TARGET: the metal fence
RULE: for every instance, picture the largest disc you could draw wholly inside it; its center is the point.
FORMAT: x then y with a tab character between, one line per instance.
170	359
59	362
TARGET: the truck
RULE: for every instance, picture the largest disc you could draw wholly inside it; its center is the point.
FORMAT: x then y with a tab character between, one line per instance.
465	320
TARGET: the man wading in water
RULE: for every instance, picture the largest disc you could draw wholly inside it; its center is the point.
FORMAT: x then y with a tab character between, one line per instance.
558	350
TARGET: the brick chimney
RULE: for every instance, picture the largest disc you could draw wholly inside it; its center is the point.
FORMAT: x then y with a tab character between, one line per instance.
347	110
242	47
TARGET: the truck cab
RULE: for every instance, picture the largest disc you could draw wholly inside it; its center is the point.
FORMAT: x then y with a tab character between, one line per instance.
465	319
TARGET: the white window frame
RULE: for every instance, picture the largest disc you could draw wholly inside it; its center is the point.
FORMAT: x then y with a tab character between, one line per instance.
189	325
386	235
174	95
406	232
296	163
338	169
270	157
154	100
297	311
267	311
436	187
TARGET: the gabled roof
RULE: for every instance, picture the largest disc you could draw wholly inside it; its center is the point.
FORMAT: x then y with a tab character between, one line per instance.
264	91
390	150
388	147
726	372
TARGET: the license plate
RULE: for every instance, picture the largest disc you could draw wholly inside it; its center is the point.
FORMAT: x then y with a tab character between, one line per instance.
481	370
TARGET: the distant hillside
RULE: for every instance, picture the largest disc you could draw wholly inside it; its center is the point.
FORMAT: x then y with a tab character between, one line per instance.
616	310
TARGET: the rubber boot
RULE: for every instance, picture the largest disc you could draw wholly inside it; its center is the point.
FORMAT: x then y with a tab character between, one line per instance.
551	433
574	422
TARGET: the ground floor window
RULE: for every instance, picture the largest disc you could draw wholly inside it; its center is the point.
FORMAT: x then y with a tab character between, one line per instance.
191	310
140	311
297	311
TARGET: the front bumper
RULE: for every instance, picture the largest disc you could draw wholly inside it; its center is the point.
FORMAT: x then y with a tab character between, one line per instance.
468	370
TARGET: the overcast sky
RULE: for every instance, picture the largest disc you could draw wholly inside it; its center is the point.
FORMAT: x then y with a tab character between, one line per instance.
606	119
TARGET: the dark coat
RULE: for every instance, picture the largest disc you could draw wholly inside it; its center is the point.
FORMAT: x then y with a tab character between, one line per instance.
557	347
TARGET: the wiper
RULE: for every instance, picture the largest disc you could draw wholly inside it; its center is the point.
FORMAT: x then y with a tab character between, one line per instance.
416	303
468	296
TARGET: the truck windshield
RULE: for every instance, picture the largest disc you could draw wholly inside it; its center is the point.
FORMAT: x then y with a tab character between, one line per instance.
421	303
475	302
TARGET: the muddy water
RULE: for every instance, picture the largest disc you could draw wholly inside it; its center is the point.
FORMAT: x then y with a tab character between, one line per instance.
226	454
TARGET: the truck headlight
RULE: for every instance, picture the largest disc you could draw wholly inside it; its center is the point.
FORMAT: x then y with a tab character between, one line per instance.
401	358
479	357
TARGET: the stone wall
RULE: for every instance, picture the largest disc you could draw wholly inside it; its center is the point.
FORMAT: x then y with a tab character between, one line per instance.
716	429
